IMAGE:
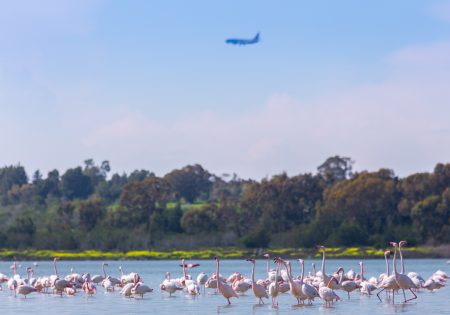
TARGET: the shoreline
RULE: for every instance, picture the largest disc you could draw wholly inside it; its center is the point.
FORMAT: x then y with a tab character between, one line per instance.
442	251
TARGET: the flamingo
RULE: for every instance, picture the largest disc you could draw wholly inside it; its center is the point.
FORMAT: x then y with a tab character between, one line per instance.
25	289
99	278
88	287
107	284
347	285
273	287
126	290
400	244
403	281
58	284
124	279
327	294
382	276
192	287
224	288
241	285
169	285
140	288
201	279
326	278
295	286
388	282
308	290
366	286
258	289
270	272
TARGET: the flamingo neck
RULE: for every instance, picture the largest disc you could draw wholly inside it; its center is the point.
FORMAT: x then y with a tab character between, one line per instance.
303	271
276	275
329	282
184	269
341	278
289	272
268	258
394	267
402	270
387	265
362	271
103	268
56	269
323	263
314	269
253	272
217	275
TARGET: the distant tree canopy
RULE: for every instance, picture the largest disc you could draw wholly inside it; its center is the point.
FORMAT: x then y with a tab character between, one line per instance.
88	207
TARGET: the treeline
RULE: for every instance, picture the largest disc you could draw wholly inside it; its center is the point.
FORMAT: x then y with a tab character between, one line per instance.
87	207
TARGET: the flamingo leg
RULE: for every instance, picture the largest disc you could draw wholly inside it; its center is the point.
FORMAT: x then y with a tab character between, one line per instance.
404	295
348	295
415	296
378	295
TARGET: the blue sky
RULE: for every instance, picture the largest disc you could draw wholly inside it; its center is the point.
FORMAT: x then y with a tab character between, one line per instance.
151	84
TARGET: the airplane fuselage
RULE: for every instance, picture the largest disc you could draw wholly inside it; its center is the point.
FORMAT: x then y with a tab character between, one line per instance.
238	41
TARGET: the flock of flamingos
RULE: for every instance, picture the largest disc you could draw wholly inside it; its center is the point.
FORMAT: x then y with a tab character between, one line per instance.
280	280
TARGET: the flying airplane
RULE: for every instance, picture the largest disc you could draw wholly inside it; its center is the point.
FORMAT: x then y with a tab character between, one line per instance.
238	41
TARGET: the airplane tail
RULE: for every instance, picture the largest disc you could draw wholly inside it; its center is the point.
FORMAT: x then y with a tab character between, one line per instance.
256	37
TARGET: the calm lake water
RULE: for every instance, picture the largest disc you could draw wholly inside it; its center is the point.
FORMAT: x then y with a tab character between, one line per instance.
152	272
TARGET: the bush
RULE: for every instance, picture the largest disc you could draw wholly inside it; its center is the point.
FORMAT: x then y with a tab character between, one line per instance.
256	239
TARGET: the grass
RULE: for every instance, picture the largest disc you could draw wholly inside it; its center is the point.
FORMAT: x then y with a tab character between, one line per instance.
210	253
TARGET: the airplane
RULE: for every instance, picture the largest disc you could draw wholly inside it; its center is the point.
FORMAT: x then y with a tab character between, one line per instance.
237	41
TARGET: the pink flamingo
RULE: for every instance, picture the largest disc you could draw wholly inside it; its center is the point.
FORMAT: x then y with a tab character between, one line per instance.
224	288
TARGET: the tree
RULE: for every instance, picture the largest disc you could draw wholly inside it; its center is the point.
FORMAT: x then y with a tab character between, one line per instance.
369	199
141	199
20	233
413	189
110	190
190	182
336	168
90	213
75	184
50	185
97	174
10	176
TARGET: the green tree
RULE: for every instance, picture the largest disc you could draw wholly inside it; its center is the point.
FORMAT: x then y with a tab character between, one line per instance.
20	234
190	182
10	176
369	199
336	168
140	200
90	212
75	184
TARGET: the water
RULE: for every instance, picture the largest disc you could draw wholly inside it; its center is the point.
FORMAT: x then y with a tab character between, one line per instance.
152	272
